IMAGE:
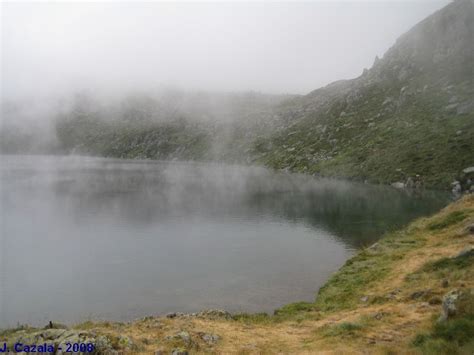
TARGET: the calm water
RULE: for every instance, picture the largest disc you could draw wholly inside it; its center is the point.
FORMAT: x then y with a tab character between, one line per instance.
89	238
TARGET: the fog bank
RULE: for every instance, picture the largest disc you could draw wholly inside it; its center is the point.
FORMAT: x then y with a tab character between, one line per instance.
50	48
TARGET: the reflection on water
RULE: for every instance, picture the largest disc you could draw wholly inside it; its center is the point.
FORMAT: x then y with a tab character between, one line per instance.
104	238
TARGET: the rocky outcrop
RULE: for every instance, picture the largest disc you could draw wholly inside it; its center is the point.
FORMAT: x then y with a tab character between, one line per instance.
206	314
457	302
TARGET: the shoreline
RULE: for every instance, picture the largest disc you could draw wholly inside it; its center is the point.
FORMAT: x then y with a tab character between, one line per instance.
381	298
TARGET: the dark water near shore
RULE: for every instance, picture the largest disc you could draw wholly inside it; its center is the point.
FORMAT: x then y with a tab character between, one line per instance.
90	238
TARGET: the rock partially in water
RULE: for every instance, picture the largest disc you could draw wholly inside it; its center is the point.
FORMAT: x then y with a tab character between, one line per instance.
398	185
457	189
469	170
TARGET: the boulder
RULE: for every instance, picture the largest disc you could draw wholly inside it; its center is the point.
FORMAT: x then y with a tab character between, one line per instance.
214	314
457	189
185	337
449	305
457	302
398	185
469	170
209	338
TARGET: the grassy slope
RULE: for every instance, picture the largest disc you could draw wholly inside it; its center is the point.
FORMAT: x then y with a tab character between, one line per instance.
411	113
381	143
393	318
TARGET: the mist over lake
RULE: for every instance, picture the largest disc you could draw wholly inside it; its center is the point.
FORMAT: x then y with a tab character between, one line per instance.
100	238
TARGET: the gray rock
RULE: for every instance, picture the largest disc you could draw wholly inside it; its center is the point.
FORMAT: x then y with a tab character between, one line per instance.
393	294
185	337
449	305
398	185
210	339
468	170
364	299
379	315
457	189
214	314
102	343
179	352
457	302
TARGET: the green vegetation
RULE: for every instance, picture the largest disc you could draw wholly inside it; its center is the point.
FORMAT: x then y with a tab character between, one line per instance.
377	142
452	337
346	288
450	264
450	219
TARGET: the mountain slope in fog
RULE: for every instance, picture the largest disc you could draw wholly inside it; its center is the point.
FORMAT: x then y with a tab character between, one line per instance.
411	113
170	125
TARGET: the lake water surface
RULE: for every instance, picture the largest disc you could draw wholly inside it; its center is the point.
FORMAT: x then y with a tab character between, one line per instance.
95	238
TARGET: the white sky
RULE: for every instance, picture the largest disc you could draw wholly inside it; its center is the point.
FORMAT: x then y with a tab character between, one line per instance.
278	47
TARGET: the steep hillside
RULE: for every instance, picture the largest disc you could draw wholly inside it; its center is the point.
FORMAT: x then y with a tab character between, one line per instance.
411	113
